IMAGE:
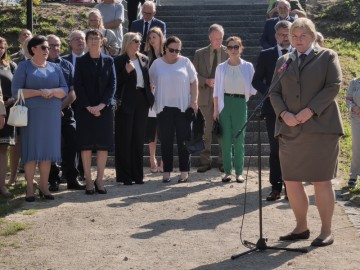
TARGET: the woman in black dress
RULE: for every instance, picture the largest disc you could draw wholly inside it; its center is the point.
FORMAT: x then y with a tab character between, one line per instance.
94	84
133	90
7	134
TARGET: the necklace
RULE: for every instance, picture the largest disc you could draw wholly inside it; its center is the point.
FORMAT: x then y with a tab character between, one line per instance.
36	65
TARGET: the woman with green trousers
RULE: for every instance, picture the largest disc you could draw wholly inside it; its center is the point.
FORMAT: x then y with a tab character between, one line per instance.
232	90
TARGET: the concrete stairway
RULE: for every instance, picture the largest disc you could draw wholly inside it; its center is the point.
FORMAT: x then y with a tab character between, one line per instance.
189	20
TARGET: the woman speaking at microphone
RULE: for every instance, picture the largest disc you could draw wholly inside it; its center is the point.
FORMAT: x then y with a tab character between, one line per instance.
308	127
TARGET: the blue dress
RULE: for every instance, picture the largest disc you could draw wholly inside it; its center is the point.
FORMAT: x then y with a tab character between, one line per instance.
41	138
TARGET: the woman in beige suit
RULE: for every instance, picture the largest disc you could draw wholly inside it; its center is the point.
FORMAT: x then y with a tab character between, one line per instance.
308	128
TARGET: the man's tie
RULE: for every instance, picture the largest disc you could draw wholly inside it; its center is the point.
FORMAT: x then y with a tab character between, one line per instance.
284	51
214	65
302	59
146	28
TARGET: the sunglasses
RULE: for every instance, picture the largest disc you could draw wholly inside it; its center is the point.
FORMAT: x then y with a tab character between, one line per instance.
235	47
136	41
174	50
44	48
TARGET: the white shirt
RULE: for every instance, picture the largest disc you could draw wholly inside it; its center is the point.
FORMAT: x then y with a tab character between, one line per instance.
172	83
234	81
139	75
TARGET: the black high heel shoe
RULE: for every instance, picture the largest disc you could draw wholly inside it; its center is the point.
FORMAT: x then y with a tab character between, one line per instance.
30	199
46	197
100	191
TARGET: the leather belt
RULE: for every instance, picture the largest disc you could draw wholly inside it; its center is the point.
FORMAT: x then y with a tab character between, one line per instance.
140	88
234	95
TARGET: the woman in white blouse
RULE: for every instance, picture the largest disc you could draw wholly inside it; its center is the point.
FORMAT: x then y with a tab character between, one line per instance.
176	89
232	90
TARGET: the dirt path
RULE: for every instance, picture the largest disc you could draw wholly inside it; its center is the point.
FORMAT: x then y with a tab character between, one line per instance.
169	226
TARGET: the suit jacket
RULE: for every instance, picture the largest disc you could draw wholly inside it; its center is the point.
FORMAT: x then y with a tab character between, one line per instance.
268	36
202	65
18	57
68	57
126	82
85	81
263	75
315	86
138	27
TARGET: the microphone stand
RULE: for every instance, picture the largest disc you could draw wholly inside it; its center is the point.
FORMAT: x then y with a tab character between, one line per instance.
261	243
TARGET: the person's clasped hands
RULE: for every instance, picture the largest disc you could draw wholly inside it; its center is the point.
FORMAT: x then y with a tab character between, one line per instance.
301	117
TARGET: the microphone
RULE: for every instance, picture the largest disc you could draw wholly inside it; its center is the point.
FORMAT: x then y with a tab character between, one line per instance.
285	66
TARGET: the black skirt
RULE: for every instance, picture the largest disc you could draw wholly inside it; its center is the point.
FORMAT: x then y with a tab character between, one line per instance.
95	133
151	129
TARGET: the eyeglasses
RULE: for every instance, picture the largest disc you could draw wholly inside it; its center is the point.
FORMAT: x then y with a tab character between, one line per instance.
283	35
171	50
147	13
43	47
77	39
54	46
136	41
235	47
94	38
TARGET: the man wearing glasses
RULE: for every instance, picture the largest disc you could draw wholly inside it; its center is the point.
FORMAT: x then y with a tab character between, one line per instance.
205	61
148	21
68	124
261	82
77	45
268	37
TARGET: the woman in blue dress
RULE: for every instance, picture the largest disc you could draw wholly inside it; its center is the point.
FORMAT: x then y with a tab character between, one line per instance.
44	86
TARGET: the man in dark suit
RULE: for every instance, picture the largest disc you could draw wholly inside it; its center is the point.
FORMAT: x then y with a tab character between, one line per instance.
261	82
268	36
205	61
132	7
23	35
77	45
148	21
68	125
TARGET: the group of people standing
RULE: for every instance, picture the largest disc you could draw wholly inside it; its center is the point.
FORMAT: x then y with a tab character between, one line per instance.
151	91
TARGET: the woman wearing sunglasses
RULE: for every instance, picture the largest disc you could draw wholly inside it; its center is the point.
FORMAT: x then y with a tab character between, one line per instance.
232	91
44	86
94	84
176	89
134	98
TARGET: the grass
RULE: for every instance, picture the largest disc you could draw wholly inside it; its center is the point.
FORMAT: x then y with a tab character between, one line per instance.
12	228
29	212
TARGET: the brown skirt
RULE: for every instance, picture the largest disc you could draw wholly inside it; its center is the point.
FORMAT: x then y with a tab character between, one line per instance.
309	157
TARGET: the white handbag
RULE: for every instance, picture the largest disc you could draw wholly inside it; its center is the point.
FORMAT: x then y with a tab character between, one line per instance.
18	116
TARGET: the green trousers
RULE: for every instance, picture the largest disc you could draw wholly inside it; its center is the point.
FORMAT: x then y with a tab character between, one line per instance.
232	119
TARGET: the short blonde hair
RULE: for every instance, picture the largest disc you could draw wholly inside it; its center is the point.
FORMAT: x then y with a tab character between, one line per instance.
305	24
237	40
128	38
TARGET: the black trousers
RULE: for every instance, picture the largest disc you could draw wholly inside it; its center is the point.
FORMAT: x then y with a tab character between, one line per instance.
69	155
275	170
129	140
171	120
132	6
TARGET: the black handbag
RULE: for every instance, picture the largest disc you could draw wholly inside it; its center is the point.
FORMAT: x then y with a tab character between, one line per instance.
195	145
216	128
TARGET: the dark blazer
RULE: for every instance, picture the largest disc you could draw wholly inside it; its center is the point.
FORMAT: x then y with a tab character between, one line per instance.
85	78
315	86
138	27
126	82
202	65
268	36
263	75
68	57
